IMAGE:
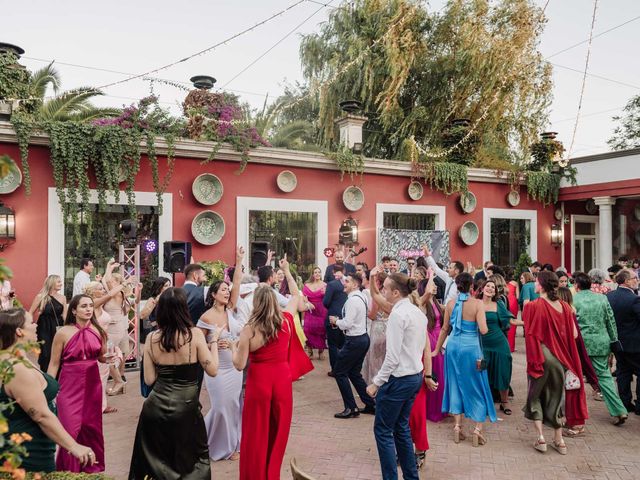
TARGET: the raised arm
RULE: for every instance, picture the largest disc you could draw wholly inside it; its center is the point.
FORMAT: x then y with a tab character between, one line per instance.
377	297
294	301
111	266
237	277
434	266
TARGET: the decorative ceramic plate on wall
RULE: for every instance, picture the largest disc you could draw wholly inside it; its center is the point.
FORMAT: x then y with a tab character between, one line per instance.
12	180
287	181
207	188
469	233
513	198
468	202
415	190
591	206
353	198
207	227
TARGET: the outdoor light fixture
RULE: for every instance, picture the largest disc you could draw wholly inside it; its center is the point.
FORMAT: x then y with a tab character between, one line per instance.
150	245
348	233
556	235
7	226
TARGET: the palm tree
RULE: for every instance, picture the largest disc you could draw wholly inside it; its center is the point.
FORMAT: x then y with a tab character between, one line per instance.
70	105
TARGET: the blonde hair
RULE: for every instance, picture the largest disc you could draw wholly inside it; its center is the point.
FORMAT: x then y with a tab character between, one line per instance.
44	294
90	288
500	283
266	317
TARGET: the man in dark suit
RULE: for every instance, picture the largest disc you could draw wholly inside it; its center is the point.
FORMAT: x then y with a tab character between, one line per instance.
348	268
334	299
625	304
196	295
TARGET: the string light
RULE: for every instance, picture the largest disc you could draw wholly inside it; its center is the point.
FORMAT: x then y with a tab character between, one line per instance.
584	81
206	50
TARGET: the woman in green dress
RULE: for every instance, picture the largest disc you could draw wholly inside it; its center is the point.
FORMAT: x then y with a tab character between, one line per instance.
495	346
34	392
528	290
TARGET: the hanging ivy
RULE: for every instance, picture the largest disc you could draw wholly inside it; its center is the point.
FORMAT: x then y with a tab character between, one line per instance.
348	162
543	186
23	125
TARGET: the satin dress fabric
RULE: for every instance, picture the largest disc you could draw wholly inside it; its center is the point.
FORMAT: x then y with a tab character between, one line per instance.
314	319
79	400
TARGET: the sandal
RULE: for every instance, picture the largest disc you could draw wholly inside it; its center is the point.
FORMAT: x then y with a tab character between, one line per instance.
477	438
574	431
540	445
420	456
506	410
457	434
110	409
559	447
619	420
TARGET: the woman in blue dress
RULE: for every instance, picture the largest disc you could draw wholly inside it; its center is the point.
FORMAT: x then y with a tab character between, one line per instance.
466	383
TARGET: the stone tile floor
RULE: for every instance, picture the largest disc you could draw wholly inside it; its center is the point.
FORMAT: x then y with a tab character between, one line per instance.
328	448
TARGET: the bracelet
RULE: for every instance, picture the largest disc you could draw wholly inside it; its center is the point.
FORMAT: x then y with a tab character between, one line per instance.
428	376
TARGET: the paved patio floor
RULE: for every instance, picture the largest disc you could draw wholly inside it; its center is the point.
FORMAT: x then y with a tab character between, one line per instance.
328	448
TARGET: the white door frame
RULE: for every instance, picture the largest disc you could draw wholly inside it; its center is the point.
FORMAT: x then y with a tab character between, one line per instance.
509	214
55	228
320	207
595	219
440	211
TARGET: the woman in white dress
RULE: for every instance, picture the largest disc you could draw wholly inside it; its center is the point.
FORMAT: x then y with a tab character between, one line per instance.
223	419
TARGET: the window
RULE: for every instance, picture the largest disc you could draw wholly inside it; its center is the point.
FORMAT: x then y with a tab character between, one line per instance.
508	233
510	238
293	233
409	221
104	240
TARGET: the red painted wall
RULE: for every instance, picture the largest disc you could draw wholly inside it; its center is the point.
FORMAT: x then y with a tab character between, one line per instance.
28	256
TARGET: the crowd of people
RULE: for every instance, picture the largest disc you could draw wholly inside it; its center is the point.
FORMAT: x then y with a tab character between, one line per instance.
427	343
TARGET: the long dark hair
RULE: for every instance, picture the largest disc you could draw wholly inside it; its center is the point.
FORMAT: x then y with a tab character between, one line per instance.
10	321
430	308
549	283
71	317
157	286
172	316
213	291
480	291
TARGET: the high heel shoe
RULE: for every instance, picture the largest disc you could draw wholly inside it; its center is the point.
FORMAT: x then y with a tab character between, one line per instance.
506	410
477	438
457	434
117	390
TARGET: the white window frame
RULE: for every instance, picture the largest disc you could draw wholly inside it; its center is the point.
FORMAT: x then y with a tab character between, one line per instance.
319	207
440	211
595	219
509	214
55	229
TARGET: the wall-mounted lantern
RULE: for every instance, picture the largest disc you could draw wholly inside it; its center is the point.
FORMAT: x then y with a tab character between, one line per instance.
348	233
7	226
556	235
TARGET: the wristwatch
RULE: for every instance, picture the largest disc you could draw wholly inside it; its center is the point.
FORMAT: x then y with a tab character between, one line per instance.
428	376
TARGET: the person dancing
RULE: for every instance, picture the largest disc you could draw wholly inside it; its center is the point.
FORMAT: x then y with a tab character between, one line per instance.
223	418
466	384
77	349
277	358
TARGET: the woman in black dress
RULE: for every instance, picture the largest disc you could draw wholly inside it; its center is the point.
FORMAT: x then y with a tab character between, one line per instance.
51	307
171	439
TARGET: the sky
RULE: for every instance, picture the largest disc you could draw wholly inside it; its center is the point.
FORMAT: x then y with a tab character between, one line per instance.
127	37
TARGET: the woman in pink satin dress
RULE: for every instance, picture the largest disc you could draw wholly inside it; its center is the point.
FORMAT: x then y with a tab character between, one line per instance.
77	348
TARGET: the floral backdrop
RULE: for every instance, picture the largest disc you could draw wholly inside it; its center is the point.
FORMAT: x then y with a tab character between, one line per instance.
401	244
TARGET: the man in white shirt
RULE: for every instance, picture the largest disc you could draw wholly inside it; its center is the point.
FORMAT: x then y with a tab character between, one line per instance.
350	357
399	379
454	269
83	277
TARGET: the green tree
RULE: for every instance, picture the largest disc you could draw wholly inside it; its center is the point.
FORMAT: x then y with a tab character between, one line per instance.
627	133
420	70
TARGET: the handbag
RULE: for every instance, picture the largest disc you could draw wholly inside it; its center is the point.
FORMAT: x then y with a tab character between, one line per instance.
616	346
571	381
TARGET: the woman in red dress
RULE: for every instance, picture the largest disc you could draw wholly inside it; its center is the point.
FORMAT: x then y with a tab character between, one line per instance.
276	360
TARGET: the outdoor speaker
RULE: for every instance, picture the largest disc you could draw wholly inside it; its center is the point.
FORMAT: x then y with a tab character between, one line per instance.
177	255
259	252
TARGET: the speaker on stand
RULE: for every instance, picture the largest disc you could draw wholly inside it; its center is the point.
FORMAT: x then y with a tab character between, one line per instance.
258	253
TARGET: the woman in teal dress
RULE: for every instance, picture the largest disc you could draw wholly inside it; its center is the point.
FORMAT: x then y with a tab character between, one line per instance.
466	384
528	290
34	392
495	345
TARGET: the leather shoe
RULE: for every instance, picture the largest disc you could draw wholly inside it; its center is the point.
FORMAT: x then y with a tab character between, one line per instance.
331	374
348	413
630	407
369	410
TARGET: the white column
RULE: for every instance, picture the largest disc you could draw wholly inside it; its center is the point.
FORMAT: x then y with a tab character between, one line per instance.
605	231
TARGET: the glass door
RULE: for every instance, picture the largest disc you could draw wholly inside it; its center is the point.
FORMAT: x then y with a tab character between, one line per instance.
584	245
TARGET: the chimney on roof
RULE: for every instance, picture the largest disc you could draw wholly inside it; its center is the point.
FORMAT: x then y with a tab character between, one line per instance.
203	82
9	48
350	125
